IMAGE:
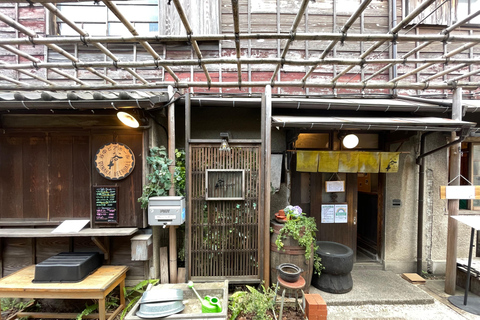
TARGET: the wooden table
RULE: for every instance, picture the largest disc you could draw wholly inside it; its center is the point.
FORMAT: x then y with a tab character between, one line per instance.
96	286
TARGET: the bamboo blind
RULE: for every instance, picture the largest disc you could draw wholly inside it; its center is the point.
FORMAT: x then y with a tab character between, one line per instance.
224	233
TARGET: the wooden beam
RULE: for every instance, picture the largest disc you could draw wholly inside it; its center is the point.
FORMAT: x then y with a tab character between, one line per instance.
171	156
103	246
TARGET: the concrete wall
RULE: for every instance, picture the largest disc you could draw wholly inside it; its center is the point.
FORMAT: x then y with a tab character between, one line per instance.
401	222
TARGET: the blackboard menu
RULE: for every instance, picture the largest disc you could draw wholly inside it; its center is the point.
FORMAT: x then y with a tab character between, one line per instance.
105	204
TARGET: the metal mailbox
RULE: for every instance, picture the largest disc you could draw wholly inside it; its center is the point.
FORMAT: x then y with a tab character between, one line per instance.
166	211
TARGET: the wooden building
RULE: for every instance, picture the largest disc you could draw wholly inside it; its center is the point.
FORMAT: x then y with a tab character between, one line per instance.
280	79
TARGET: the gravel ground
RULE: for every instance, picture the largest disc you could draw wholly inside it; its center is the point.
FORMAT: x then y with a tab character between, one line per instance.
435	311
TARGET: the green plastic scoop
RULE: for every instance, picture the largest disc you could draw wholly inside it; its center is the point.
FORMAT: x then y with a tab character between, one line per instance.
209	304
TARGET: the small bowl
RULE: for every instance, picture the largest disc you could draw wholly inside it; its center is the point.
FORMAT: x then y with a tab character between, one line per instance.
289	272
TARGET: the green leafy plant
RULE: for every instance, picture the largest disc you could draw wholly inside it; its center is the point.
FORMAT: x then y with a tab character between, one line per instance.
252	302
132	295
159	178
14	304
302	229
179	174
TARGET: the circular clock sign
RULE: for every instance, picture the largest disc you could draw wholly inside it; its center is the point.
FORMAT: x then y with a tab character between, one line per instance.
114	161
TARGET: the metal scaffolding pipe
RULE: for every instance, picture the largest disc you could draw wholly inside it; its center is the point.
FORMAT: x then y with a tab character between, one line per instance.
36	60
219	61
393	32
236	27
54	10
343	31
427	43
293	31
110	5
32	35
189	30
244	36
234	84
447	56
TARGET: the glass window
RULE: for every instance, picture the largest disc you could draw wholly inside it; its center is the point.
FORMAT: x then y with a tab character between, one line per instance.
313	141
148	16
467	7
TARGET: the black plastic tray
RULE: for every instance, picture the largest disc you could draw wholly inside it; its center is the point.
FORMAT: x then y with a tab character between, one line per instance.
67	267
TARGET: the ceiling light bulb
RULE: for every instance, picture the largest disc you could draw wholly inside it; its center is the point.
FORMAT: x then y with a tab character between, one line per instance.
127	119
350	141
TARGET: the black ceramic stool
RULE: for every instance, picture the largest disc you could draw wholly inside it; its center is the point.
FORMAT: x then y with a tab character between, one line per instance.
337	259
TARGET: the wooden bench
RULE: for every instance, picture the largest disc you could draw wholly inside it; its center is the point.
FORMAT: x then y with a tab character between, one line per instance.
96	286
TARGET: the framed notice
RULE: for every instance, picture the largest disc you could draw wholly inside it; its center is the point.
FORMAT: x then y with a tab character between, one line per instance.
341	213
335	186
105	204
328	213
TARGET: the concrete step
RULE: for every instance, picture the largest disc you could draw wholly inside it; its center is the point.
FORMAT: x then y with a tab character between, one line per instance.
370	265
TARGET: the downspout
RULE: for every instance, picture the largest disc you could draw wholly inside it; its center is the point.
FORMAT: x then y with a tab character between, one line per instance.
421	189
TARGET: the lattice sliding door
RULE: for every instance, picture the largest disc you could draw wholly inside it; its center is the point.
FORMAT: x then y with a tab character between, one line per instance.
224	241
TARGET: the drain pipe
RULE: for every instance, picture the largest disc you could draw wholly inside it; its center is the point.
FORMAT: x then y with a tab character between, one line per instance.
421	189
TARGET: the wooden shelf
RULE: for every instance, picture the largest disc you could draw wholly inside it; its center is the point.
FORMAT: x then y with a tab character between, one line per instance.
47	232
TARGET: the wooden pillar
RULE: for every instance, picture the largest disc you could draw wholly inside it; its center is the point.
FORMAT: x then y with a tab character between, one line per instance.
188	220
266	155
171	155
452	234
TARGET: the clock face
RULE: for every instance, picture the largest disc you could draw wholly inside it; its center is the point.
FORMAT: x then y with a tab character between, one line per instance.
114	161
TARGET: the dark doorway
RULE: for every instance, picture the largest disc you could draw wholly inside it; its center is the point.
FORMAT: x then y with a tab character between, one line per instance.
367	214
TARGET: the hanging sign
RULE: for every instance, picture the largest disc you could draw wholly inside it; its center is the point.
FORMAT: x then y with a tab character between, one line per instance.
114	161
460	192
335	186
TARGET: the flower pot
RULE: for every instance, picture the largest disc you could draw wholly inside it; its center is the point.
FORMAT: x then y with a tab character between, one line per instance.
293	253
289	272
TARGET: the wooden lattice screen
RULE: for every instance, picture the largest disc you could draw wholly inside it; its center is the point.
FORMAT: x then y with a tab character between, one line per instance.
224	233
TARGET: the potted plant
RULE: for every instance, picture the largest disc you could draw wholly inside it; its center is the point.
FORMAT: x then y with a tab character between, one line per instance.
298	229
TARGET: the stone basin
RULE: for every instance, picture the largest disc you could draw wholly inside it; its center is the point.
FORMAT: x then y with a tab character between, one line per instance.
193	307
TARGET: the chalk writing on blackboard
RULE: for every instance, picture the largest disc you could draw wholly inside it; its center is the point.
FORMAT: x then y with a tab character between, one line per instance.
106	204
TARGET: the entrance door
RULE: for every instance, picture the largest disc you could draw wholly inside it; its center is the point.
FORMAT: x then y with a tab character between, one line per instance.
224	213
335	229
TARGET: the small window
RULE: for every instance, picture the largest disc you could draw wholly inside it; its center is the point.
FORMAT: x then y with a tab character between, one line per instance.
467	7
313	141
149	17
438	13
225	185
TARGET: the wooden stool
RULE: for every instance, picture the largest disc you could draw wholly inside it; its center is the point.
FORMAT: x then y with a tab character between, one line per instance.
297	285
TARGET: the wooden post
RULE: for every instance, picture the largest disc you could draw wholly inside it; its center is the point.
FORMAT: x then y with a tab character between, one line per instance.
188	220
266	150
452	234
171	155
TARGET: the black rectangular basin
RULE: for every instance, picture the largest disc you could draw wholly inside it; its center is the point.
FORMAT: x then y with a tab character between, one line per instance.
67	267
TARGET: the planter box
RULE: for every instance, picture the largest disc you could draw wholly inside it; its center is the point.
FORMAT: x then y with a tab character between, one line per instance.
193	308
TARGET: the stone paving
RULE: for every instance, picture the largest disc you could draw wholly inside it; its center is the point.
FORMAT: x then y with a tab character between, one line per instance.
379	294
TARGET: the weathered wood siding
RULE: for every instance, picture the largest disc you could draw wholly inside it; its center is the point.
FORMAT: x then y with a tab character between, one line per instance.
48	175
